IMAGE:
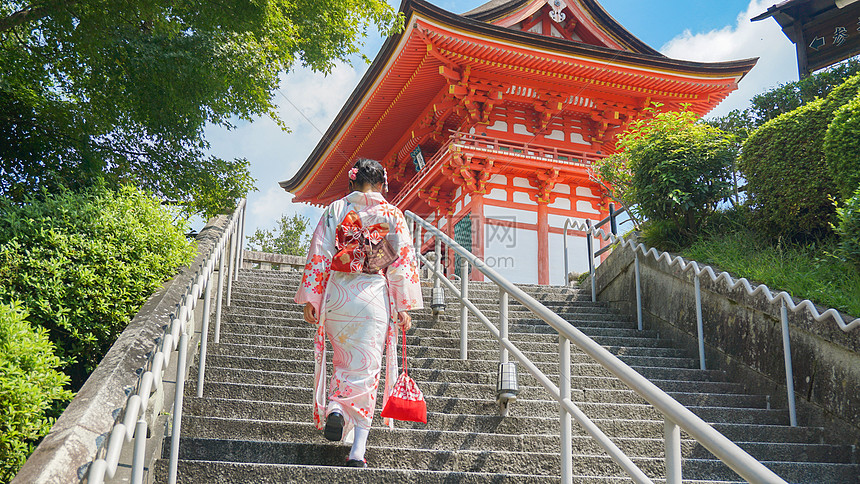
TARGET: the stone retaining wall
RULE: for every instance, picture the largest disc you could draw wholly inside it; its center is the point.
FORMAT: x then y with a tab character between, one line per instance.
743	335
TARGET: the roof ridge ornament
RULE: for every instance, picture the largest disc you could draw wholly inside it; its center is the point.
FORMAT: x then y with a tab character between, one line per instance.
556	14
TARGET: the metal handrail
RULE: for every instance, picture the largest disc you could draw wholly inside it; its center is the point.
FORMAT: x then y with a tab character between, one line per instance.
676	416
782	297
176	336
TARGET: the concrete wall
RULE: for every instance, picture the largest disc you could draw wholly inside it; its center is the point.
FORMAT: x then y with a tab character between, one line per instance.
80	433
743	335
268	261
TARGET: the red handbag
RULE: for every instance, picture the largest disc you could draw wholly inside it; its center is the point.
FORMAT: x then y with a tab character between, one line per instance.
406	401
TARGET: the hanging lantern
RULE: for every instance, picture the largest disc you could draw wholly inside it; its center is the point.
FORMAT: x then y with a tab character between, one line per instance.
437	299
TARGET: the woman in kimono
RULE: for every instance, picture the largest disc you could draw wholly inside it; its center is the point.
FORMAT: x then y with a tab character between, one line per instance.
357	309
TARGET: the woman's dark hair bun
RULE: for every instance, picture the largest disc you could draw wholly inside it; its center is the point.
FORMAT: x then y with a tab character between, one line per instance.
369	171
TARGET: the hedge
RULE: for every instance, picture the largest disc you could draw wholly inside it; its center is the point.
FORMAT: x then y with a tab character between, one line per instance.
83	264
789	185
842	148
30	388
848	229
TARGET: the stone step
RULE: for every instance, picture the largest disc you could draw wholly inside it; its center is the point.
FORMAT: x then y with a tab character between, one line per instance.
586	314
203	472
297	411
422	336
484	361
586	368
432	370
483	430
300	329
532	401
451	326
277	299
692	399
438	346
277	359
383	454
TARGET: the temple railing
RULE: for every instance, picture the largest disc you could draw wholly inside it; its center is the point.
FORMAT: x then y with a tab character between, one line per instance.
476	142
531	150
676	416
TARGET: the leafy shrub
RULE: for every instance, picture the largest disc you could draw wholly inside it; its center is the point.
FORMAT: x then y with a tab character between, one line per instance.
30	386
680	169
83	263
614	176
842	148
849	229
789	186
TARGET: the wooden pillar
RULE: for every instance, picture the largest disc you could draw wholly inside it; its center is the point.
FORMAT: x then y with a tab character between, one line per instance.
478	242
543	243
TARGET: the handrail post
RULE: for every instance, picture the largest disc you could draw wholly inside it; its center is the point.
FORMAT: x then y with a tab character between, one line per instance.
789	373
219	296
204	335
412	233
638	289
464	311
566	424
672	436
437	264
139	455
590	247
503	324
700	328
613	222
241	240
230	263
566	267
177	407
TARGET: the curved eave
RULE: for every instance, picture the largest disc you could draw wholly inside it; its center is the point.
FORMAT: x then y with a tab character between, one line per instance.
497	10
569	47
530	40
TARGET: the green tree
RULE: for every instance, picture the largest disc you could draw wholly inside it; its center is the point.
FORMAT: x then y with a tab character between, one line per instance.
680	169
122	90
614	176
290	237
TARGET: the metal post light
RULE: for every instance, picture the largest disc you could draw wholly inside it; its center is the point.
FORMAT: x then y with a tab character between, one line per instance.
437	294
506	385
437	300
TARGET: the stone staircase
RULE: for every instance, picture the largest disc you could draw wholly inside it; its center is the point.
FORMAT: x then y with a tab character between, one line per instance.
253	424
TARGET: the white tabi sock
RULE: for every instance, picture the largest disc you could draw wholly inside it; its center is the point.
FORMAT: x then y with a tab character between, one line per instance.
359	444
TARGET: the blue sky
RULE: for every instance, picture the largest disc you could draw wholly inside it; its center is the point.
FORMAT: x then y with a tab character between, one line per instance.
700	30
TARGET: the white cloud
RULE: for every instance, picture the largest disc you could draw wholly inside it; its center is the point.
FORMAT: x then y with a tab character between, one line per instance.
763	39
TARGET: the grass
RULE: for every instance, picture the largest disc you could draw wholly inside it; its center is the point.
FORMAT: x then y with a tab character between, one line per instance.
805	271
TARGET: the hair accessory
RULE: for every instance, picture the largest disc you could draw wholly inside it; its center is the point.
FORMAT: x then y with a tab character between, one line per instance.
385	177
353	173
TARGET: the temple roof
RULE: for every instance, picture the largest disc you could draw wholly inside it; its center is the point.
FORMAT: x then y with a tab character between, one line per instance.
405	80
495	11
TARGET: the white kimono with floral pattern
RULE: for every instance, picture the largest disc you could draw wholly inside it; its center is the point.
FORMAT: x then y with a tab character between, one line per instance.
357	311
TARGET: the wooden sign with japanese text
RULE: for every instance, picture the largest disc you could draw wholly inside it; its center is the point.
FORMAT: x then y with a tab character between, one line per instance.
832	37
